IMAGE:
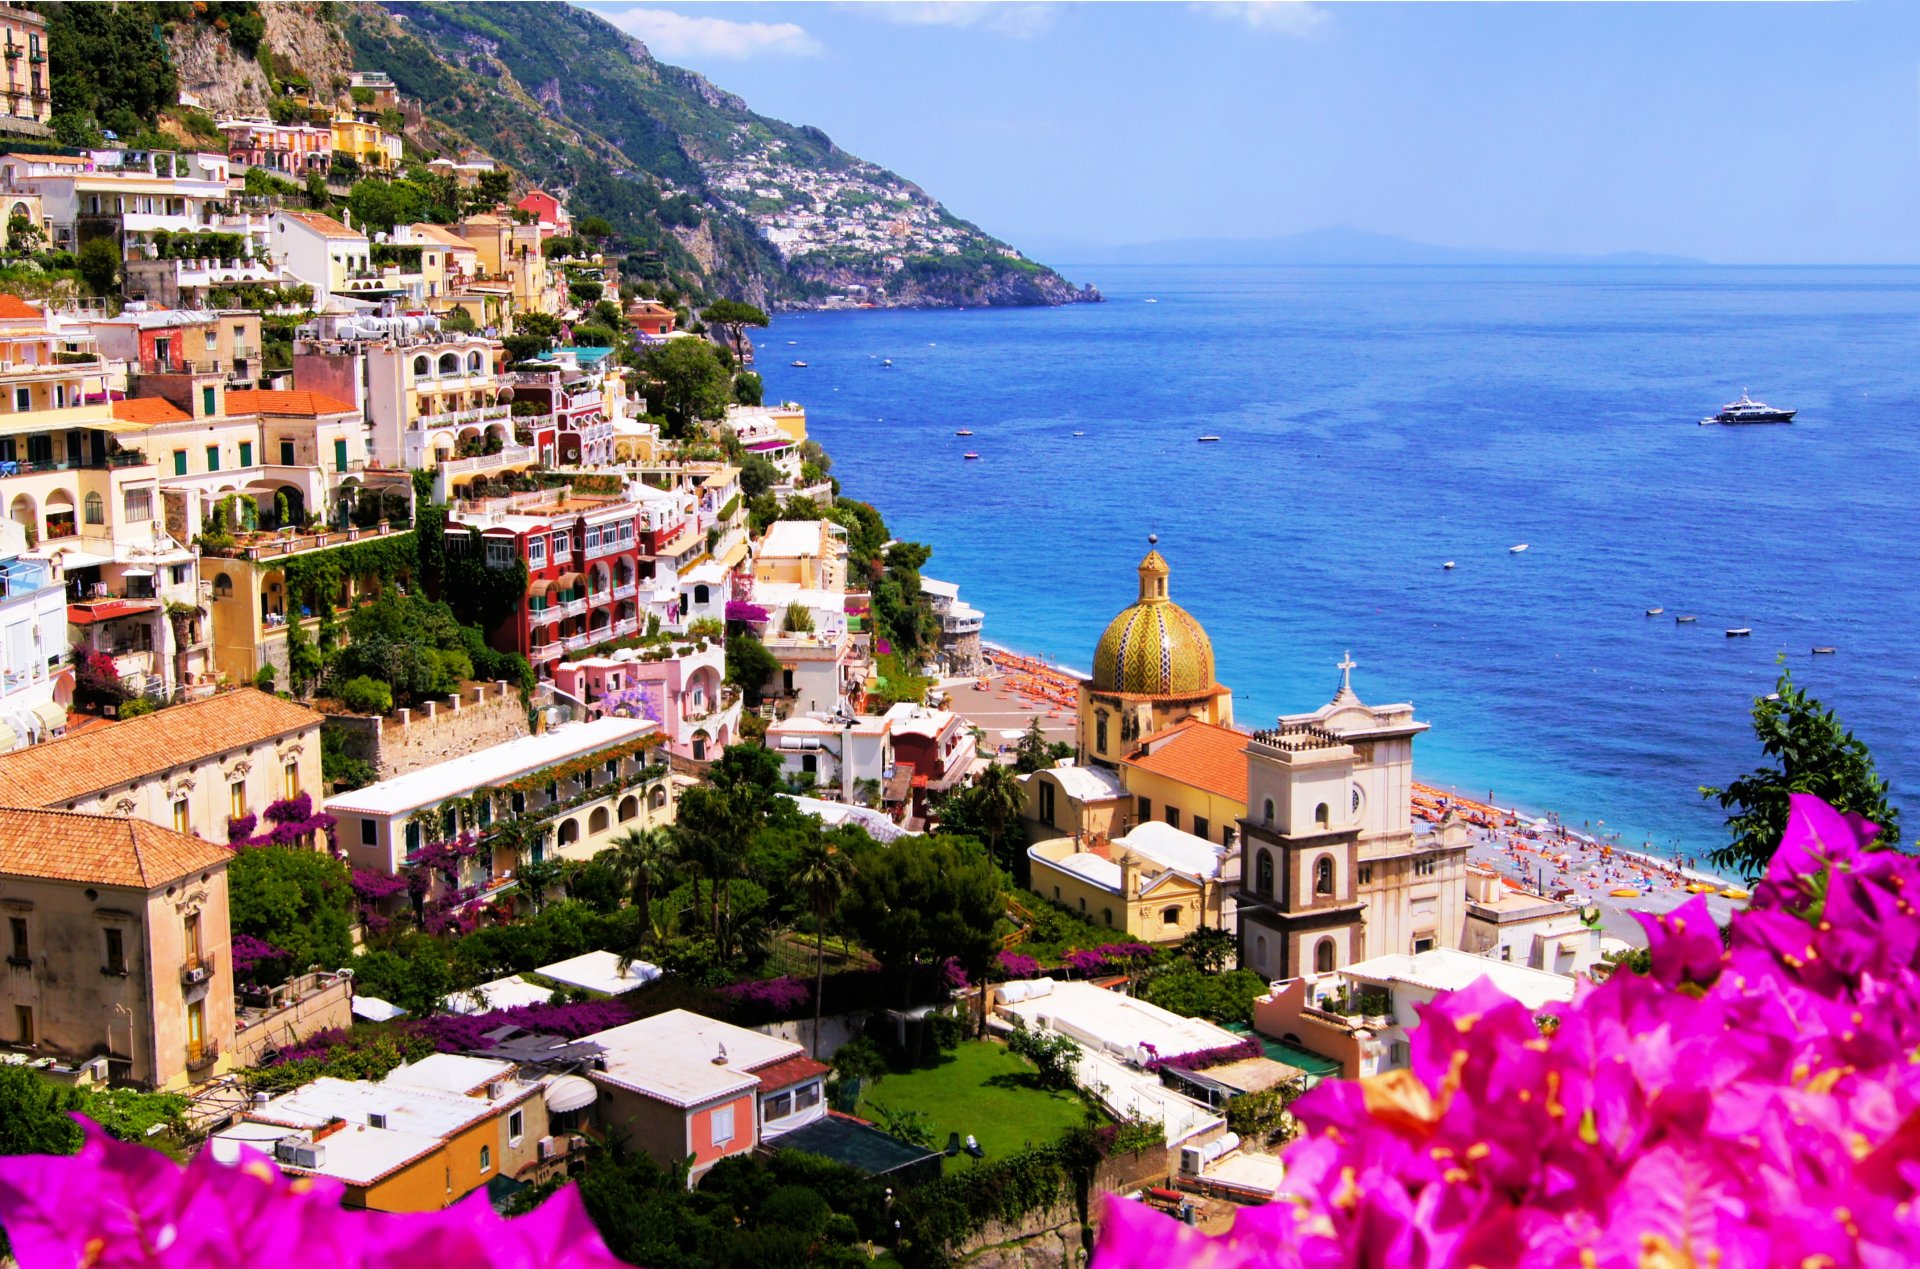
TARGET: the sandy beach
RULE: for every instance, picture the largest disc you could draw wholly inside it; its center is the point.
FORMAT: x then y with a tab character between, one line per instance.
1004	702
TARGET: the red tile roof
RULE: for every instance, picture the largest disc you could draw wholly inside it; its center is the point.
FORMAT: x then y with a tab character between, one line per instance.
1200	754
301	404
148	410
324	225
12	306
790	1071
101	850
108	610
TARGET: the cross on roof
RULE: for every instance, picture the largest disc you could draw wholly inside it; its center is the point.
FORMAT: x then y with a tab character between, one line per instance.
1347	667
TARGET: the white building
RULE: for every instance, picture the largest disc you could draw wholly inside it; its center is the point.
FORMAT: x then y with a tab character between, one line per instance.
1507	923
326	255
33	644
1405	981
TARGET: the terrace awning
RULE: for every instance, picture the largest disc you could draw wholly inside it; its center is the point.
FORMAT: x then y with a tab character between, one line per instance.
568	581
570	1092
539	586
52	715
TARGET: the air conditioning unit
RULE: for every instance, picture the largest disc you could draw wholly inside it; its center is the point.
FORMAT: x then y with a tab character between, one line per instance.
376	1120
197	975
1190	1161
309	1156
96	1070
496	1089
548	1148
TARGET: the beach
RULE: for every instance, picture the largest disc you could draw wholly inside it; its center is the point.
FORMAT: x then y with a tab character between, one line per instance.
1017	689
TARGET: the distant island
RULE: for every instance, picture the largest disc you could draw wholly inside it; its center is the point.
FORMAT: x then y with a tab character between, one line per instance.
1340	244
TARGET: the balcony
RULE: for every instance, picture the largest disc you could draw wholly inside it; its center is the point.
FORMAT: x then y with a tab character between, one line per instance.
603	548
626	590
477	417
574	607
34	466
579	641
197	970
546	652
202	1055
621	629
543	616
510	456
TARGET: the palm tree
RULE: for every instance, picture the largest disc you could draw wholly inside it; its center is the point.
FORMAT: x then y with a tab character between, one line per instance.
644	857
998	800
821	877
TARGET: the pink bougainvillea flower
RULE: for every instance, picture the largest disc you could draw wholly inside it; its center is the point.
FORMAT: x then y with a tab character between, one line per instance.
120	1206
1752	1101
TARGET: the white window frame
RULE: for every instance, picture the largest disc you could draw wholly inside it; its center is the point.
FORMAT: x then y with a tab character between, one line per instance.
721	1126
516	1127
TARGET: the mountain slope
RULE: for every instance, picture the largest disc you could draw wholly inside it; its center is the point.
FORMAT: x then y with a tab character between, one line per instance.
755	207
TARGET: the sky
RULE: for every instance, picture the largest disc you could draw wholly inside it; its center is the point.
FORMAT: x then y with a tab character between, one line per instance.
1732	132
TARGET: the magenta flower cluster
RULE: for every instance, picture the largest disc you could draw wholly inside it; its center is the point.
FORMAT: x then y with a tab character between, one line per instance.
458	1033
1017	965
1750	1102
118	1206
1201	1059
250	953
292	821
1108	958
774	997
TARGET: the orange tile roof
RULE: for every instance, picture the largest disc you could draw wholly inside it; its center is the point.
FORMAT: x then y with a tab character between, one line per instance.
441	235
301	404
100	850
789	1071
14	308
149	410
325	226
74	767
1200	754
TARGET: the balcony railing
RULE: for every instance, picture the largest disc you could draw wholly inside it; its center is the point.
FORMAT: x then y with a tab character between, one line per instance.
621	629
466	418
574	607
626	590
197	970
547	652
507	457
579	641
605	548
31	466
202	1055
543	616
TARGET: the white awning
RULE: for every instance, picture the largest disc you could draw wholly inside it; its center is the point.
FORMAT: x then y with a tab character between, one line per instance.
51	714
9	738
570	1092
374	1009
136	572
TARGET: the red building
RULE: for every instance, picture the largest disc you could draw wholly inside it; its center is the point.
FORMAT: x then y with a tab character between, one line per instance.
650	318
585	568
548	211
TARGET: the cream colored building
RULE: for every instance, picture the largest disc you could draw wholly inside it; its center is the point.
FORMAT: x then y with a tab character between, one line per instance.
116	937
808	553
191	768
1157	883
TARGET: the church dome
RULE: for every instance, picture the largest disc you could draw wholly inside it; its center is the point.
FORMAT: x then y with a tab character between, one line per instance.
1154	647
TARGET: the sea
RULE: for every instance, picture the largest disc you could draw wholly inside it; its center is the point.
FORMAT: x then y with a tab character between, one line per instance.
1378	422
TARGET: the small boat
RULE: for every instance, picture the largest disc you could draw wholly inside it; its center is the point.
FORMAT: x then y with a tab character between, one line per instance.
1515	550
1747	410
1739	632
965	431
1209	440
1079	433
1655	612
1150	301
1824	651
798	364
1734	892
792	342
886	363
970	456
1686	620
1447	565
1622	893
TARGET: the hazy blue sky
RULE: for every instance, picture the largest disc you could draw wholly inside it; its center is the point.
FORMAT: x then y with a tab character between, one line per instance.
1735	132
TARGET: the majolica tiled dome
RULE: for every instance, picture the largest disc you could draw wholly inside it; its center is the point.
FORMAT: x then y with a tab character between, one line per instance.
1154	647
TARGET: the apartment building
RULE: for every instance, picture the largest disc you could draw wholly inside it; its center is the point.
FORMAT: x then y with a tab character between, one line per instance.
685	690
191	768
291	149
373	149
326	255
582	405
116	941
29	76
33	645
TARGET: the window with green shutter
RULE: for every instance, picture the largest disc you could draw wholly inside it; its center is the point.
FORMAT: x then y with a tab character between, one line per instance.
213	458
246	453
179	462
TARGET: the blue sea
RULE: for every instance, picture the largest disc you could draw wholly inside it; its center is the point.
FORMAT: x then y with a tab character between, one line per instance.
1378	422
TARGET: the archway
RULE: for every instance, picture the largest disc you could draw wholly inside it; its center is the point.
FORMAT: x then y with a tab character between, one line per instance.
24	513
569	832
599	820
629	807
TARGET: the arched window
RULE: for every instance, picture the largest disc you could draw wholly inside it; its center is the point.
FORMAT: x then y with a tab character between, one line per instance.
702	595
1267	812
569	832
1323	876
1260	951
658	798
96	509
1170	916
449	363
1323	957
598	821
1358	799
1100	731
629	807
1263	875
1321	815
222	586
420	366
473	362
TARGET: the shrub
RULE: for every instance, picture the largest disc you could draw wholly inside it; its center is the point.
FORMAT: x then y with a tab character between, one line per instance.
365	695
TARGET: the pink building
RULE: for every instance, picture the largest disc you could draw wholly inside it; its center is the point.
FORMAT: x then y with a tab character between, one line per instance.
685	693
293	148
548	212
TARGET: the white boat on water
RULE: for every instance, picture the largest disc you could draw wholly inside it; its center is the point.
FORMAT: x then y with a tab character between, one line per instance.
1747	410
1448	564
1655	612
1740	632
801	365
1208	440
1515	550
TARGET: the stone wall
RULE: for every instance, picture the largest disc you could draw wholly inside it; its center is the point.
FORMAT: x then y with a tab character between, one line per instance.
835	1030
1045	1238
305	1006
480	715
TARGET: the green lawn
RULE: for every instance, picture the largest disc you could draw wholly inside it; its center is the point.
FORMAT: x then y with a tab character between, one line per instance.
980	1088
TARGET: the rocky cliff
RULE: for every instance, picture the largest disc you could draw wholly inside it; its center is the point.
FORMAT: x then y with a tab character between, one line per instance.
302	37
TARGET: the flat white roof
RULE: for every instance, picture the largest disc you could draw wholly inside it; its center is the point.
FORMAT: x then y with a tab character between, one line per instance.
946	590
1120	1024
1445	969
600	971
501	993
834	814
430	1112
357	1154
491	766
1174	848
450	1073
671	1057
1086	784
792	539
918	720
1084	864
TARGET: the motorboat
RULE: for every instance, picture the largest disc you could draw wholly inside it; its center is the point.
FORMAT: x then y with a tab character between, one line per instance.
1515	550
1655	612
965	431
1447	565
1150	301
1689	618
798	365
970	456
1739	632
1209	440
886	363
1824	651
1747	410
1079	433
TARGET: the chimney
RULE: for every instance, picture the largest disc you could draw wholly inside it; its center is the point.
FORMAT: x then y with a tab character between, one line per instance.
346	216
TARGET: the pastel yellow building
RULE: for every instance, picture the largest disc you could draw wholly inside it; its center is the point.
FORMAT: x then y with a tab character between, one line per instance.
1152	667
1192	776
366	143
1156	884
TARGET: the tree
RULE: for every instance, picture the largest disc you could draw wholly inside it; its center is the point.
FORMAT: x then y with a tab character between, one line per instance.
1812	753
990	812
294	898
542	326
821	877
108	58
1054	1054
734	317
757	475
1032	753
99	265
924	900
748	389
594	227
1209	949
493	188
645	858
750	665
689	384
